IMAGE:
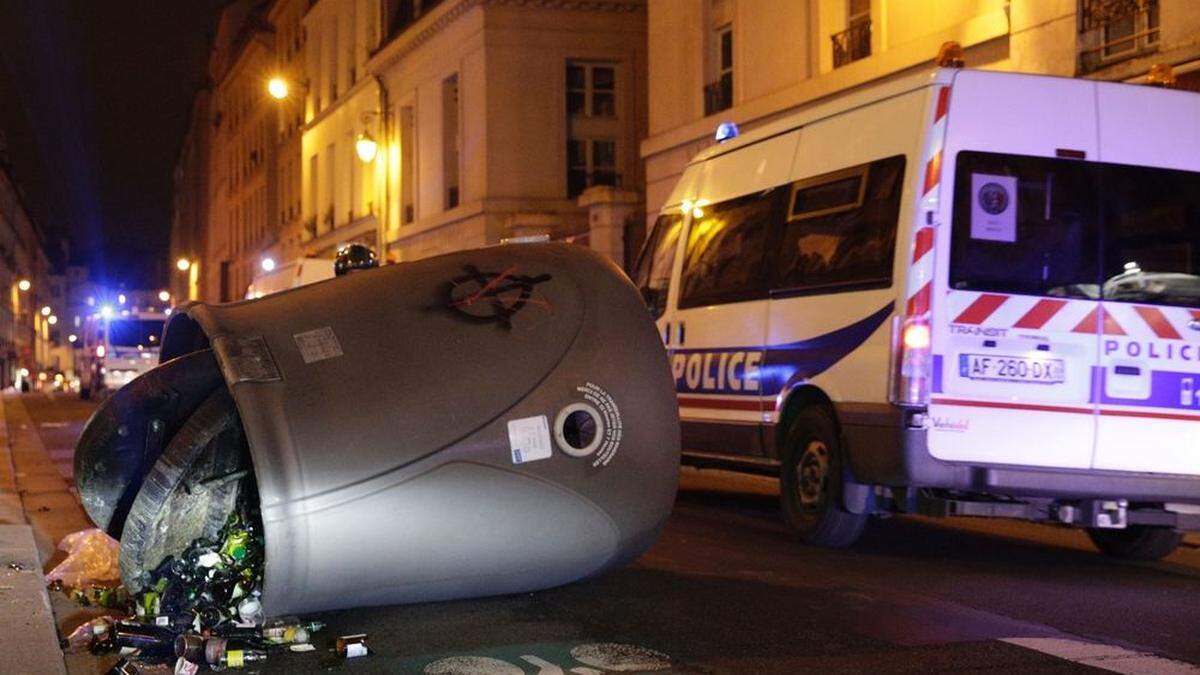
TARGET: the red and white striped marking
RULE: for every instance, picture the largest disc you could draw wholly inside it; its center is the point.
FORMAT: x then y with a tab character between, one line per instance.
920	274
1055	315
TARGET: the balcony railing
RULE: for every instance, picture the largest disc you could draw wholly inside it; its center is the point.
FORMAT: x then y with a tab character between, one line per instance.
718	95
852	44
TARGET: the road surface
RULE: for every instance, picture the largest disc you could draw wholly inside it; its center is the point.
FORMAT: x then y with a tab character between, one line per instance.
727	590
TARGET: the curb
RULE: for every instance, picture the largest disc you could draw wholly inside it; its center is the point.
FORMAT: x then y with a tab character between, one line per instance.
28	637
28	630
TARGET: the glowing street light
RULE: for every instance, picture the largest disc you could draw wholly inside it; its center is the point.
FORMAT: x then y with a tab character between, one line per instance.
52	319
72	338
164	296
366	147
268	264
183	264
46	310
278	88
106	311
121	299
24	285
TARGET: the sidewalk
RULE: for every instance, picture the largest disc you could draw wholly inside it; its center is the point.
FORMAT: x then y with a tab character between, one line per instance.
28	485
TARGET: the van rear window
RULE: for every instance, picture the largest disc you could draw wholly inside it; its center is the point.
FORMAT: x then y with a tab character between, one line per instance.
1068	228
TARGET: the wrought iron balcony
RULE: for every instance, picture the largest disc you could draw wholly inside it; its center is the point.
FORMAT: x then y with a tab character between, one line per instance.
852	44
718	95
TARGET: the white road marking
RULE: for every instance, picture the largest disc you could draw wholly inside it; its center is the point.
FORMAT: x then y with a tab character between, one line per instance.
54	425
544	666
583	670
1105	657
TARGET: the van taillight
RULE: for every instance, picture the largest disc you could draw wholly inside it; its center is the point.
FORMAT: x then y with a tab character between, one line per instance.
911	361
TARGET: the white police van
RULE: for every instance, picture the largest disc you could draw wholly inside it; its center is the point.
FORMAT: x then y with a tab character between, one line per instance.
959	293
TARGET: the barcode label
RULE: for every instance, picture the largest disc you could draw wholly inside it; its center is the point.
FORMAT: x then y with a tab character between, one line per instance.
529	439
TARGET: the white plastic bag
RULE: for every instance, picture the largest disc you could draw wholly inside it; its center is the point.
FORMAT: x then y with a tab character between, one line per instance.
92	556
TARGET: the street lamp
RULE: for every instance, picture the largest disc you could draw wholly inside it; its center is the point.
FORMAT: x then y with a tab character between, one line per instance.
183	264
52	319
366	147
46	310
164	296
268	264
24	285
278	88
121	298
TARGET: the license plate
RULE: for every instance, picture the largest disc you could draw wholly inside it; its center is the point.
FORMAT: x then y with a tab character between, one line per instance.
1011	369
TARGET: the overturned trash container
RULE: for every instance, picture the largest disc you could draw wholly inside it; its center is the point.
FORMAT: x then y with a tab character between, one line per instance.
479	423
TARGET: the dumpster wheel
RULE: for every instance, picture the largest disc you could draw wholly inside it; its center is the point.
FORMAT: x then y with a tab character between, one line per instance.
191	490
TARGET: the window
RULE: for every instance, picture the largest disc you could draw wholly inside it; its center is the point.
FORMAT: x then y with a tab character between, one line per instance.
450	140
854	43
590	162
841	229
407	166
1027	225
1076	229
1114	30
726	249
591	89
718	57
652	273
592	126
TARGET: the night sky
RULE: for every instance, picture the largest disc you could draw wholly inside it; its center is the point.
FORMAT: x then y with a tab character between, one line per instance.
94	101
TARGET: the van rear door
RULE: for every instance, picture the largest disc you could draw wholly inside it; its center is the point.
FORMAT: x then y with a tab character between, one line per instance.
1148	384
1017	317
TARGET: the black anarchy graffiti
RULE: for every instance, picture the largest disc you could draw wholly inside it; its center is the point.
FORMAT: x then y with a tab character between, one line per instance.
493	297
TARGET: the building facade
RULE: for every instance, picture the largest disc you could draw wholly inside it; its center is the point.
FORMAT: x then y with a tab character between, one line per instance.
25	338
189	207
752	61
414	126
482	120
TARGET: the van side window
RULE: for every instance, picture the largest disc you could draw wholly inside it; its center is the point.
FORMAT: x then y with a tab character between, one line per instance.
652	273
726	247
1026	225
841	229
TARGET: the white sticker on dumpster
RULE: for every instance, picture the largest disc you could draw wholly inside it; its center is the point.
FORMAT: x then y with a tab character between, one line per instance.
529	439
318	345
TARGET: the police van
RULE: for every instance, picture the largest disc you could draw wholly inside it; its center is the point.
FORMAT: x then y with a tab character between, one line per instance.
956	293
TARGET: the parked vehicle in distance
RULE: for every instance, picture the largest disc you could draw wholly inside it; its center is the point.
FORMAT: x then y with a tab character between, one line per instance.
117	348
955	293
295	273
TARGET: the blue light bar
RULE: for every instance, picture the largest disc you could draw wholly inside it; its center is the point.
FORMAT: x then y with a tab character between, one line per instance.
726	131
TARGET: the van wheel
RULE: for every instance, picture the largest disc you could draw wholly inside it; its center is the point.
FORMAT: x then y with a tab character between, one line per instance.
1136	542
811	482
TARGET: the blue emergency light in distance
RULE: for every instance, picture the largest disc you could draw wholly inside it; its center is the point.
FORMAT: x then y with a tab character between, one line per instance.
726	131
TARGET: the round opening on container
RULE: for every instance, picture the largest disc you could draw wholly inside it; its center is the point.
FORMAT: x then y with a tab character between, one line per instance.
578	429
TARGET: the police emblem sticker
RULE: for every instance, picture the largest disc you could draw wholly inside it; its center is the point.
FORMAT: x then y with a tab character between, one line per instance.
994	208
529	439
318	345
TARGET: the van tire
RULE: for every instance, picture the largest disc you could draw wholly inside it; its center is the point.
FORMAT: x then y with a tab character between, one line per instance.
1136	542
811	482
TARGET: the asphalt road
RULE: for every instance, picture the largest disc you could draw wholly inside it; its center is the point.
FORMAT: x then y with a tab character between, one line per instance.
727	590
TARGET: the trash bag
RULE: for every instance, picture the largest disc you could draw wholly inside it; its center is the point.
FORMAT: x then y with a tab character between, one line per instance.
92	556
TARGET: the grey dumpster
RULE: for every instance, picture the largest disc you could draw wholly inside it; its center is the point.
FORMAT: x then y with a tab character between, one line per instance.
484	422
